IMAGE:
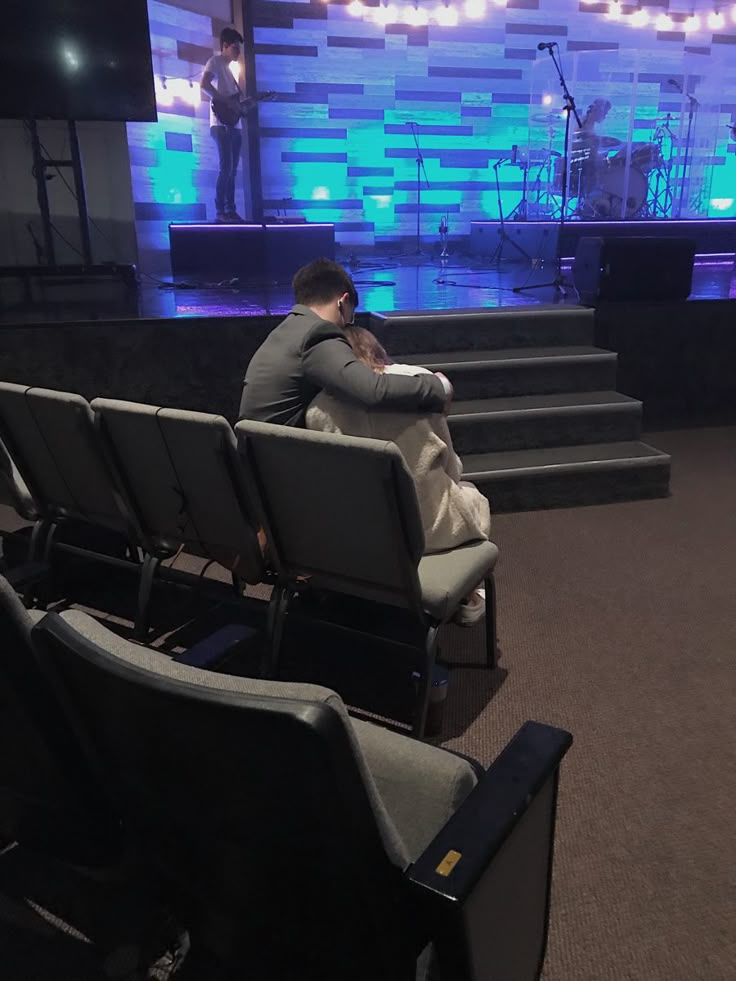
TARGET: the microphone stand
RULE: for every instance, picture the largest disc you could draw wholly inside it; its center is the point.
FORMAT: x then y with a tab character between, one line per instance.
503	236
686	161
559	282
420	170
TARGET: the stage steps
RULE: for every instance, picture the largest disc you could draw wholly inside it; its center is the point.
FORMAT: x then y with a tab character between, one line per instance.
562	419
535	418
520	371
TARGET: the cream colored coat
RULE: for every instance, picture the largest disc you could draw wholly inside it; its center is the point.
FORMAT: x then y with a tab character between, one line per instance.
453	511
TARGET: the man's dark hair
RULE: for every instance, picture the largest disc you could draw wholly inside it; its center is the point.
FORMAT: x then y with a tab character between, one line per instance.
228	35
321	281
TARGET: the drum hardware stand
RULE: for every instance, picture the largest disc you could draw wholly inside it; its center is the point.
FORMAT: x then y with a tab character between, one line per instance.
545	198
559	282
521	211
503	236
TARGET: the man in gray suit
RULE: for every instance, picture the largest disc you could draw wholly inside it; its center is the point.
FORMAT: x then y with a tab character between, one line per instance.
308	353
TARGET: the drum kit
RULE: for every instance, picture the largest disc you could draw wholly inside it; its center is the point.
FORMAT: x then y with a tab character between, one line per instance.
607	178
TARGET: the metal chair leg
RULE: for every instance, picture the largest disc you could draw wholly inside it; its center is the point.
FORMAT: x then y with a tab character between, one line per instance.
491	634
277	610
150	565
425	683
39	548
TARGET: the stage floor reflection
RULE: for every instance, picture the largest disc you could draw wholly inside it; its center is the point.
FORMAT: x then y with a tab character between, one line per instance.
414	283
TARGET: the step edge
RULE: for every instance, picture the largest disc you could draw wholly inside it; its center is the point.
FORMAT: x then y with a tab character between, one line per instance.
662	462
605	357
593	408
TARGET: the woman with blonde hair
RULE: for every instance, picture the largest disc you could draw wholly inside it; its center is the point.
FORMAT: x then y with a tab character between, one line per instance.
453	511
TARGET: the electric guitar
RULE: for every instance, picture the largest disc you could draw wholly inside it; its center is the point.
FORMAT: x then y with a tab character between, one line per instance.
230	108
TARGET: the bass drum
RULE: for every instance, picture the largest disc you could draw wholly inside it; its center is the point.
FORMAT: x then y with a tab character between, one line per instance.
606	200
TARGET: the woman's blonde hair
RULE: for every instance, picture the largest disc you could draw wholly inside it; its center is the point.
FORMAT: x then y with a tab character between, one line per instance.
367	348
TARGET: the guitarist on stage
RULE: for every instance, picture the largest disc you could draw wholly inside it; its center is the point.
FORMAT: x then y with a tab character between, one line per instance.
218	83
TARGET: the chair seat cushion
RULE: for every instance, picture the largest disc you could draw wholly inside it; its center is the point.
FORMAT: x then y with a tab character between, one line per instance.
420	785
446	578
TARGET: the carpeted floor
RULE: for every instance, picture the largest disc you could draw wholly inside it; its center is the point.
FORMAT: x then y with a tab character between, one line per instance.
619	623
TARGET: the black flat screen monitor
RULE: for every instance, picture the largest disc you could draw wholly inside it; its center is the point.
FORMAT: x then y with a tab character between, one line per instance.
76	59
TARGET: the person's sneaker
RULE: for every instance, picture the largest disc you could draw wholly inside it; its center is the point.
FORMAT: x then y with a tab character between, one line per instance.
473	611
234	218
222	218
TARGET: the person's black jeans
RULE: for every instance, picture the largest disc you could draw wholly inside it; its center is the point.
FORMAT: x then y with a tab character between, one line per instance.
228	140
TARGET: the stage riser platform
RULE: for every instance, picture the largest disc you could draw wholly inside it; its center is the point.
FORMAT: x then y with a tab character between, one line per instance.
539	238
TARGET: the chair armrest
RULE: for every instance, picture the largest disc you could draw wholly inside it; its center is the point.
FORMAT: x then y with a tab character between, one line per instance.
484	881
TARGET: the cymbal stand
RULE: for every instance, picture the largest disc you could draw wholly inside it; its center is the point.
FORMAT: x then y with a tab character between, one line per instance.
559	282
503	236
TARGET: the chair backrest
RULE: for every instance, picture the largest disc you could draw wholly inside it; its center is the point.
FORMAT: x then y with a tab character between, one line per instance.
341	509
48	798
251	796
183	478
51	437
13	490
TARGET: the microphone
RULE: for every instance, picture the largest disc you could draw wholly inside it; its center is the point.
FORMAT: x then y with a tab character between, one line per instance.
514	151
547	44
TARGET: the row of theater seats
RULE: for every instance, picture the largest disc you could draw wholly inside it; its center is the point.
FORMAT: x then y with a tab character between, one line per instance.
339	513
282	838
285	839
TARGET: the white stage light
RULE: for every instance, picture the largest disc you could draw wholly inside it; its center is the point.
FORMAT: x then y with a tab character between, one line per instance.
446	16
664	22
692	24
716	20
475	9
640	18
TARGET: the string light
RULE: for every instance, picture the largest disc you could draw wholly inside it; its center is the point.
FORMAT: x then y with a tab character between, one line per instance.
419	13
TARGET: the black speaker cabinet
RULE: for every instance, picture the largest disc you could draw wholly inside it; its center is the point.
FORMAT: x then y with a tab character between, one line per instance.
633	268
262	254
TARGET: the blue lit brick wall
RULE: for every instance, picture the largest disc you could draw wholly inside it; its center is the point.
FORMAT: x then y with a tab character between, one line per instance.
337	141
336	145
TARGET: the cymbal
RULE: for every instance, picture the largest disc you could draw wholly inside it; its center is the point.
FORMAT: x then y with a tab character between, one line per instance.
610	142
550	118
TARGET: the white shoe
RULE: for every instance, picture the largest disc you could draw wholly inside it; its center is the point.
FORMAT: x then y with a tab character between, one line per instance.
470	613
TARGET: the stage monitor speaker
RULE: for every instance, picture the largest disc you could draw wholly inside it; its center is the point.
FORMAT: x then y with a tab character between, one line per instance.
633	268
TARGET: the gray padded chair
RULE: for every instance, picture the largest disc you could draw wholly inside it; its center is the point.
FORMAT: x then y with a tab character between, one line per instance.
51	438
296	843
182	478
343	511
49	801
